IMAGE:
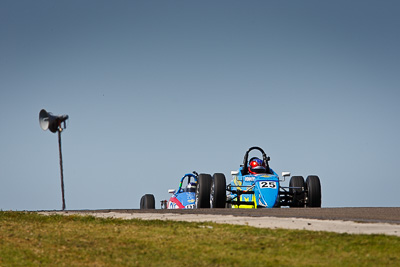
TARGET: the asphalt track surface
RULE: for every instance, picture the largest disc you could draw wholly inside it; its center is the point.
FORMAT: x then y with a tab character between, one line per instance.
362	215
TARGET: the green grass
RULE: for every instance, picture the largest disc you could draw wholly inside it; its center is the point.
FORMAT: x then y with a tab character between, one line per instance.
30	239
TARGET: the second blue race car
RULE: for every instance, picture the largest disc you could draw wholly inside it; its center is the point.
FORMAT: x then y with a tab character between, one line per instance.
194	191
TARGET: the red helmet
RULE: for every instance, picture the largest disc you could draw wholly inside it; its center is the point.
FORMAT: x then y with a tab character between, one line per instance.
256	165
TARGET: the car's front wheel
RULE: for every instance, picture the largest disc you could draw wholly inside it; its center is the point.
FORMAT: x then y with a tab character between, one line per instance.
296	190
218	191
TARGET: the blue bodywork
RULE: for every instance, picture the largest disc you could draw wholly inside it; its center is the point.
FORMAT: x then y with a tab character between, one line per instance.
184	197
254	190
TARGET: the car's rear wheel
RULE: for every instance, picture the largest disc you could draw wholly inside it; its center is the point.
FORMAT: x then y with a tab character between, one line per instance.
218	191
314	191
203	191
298	191
147	202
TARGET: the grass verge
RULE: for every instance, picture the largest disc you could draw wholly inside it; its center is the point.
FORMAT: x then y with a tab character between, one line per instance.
30	239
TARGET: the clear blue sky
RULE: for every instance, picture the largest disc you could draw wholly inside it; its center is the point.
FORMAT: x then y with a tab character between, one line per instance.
156	89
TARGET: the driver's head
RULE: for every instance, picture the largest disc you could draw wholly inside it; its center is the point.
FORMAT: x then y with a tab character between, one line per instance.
191	187
256	165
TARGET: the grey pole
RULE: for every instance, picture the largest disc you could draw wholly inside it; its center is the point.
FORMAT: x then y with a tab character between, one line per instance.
61	167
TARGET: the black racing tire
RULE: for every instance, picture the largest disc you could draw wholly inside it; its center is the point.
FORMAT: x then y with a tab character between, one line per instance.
218	191
203	191
314	191
147	202
297	193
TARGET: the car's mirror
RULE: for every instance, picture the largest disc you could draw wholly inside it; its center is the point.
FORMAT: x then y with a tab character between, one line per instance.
171	191
284	175
234	172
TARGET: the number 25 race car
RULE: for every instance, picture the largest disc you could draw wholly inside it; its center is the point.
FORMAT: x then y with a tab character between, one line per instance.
254	185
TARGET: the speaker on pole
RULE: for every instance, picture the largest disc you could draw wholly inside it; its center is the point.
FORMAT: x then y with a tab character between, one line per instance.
48	121
53	123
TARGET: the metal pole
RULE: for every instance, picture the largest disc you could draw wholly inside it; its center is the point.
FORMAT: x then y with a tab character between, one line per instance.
61	168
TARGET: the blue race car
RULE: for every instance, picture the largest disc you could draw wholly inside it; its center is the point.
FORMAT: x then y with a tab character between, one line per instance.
193	192
185	196
256	185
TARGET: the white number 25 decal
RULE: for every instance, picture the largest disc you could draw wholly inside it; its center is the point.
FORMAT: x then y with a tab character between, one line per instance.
267	184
